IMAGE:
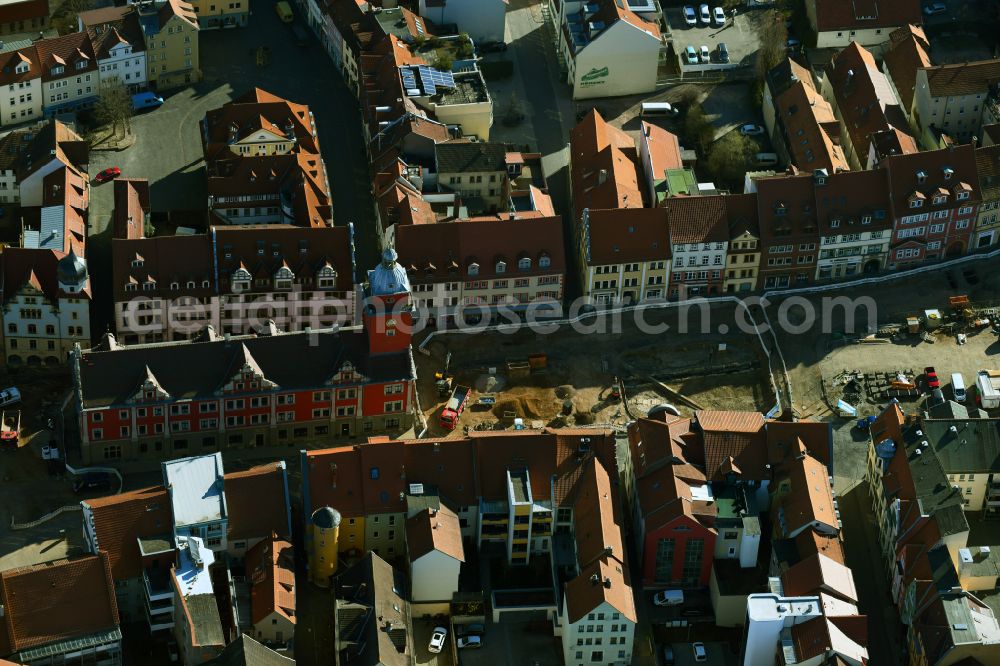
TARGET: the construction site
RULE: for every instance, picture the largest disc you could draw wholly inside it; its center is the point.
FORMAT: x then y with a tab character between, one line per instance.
577	378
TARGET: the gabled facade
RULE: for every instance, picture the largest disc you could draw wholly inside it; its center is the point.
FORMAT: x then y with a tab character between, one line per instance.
171	31
117	35
699	238
46	305
251	389
237	280
21	82
853	208
25	16
935	196
53	146
70	79
608	49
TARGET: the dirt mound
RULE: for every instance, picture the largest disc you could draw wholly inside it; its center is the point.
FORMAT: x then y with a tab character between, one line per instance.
583	418
565	391
524	407
489	383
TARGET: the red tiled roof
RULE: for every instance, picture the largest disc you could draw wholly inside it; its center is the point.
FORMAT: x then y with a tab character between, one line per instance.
904	181
119	520
908	52
839	15
56	601
444	251
270	567
257	502
434	529
66	51
628	234
604	166
697	219
21	266
131	207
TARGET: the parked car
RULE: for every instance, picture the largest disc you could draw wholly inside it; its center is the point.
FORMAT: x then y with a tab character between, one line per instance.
723	52
492	47
750	129
108	174
9	396
146	100
691	56
690	16
935	8
719	16
469	642
705	15
438	637
699	651
668	656
92	481
931	378
703	54
668	598
474	629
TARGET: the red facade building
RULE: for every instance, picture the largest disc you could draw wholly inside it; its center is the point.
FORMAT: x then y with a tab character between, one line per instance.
278	389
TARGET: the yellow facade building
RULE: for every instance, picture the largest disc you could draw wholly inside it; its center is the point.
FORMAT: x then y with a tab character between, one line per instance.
171	32
216	14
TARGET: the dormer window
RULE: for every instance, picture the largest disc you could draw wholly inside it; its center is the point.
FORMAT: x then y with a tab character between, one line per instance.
22	68
174	286
948	173
149	286
283	283
544	261
939	199
137	263
524	263
834	223
780	208
473	268
204	284
866	219
501	267
131	286
916	203
82	64
240	285
961	196
921	176
190	284
57	70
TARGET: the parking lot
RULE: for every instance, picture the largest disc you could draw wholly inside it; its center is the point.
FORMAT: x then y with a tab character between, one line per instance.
514	644
422	630
739	35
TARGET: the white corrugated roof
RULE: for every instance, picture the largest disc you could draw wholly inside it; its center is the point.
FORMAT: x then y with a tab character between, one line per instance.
196	490
53	228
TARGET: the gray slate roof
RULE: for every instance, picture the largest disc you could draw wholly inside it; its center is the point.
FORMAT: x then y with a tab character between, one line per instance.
463	156
973	447
189	370
245	651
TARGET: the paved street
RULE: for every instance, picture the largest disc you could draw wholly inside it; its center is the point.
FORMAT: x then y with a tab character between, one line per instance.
863	558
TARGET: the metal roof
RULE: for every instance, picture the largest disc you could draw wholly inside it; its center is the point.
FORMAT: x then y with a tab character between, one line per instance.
196	489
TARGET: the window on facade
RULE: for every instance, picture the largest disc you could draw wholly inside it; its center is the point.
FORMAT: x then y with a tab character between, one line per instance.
664	560
693	554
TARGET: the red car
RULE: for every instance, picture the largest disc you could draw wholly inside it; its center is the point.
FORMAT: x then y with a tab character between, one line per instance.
108	174
930	376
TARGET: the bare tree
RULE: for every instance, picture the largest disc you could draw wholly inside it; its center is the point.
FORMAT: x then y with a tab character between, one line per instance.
773	42
114	107
729	156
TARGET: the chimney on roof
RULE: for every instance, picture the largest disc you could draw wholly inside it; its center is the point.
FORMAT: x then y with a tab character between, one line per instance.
602	176
607	582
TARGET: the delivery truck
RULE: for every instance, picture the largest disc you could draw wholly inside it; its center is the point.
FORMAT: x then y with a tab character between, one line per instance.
988	387
456	405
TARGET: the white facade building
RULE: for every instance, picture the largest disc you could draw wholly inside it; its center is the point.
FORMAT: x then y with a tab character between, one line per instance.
608	50
604	636
20	87
482	19
854	253
768	617
434	542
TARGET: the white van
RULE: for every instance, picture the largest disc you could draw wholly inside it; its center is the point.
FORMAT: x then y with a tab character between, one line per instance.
765	159
958	387
658	109
668	598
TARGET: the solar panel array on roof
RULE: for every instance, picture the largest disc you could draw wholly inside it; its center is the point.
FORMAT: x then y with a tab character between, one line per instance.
431	79
409	81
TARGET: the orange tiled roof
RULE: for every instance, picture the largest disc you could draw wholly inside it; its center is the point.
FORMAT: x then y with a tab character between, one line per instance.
270	566
434	529
119	520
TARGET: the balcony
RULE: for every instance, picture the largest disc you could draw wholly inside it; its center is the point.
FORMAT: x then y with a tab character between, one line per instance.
157	584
